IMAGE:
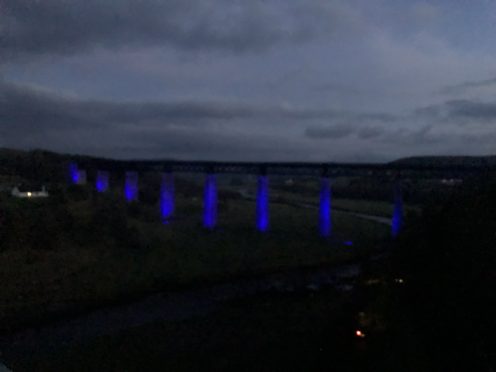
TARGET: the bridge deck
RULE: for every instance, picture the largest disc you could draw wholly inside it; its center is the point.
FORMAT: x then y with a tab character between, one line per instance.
287	168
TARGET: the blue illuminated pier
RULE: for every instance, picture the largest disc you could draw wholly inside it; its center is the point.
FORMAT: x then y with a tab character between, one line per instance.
74	173
167	197
397	220
210	202
131	187
102	181
325	222
263	203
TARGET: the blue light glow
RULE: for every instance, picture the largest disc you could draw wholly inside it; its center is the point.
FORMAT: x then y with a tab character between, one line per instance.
102	181
131	186
167	197
210	202
397	220
74	173
263	204
348	243
325	222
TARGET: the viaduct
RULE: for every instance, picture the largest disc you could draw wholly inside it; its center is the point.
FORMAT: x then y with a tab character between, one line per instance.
325	171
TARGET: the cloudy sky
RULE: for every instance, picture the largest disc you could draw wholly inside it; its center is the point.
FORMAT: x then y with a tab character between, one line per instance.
313	80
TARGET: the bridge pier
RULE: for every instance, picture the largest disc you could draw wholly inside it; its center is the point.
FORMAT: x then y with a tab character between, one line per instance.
74	173
263	201
210	202
167	197
131	186
102	181
325	221
397	219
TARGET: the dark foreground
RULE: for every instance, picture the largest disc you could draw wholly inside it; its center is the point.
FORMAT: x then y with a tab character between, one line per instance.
428	305
300	322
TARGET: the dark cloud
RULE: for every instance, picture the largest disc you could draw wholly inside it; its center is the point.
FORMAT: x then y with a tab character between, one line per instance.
339	131
468	86
362	125
329	132
370	132
479	111
414	137
27	111
33	118
33	27
459	112
30	117
24	104
334	88
377	117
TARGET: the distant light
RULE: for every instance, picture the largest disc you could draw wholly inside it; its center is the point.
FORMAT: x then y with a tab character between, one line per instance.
359	333
29	194
399	280
349	243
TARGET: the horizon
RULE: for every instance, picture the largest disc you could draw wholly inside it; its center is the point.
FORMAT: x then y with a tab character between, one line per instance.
70	154
81	154
452	158
311	81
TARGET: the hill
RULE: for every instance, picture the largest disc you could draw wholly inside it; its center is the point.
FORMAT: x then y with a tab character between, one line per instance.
9	155
447	161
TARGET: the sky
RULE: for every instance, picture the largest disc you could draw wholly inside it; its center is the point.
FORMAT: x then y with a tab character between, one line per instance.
274	80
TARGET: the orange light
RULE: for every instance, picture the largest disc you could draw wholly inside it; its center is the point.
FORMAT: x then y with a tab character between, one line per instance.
359	333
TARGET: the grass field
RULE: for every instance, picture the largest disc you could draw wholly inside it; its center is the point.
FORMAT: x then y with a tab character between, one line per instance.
373	207
89	267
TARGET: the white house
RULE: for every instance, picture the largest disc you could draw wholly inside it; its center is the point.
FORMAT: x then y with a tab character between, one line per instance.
29	192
